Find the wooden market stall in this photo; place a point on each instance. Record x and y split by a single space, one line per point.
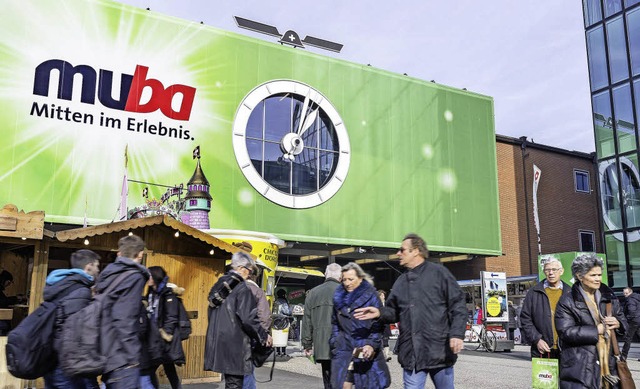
23 253
193 260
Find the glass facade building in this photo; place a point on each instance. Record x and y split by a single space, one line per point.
612 29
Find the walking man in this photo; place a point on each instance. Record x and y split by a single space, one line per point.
430 307
71 290
537 317
123 314
316 323
233 324
632 311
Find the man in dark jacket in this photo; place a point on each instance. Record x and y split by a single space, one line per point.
632 312
537 314
122 316
233 322
316 324
70 289
430 307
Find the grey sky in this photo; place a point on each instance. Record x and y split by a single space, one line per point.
529 56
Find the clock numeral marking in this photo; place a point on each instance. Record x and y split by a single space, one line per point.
320 197
268 90
339 178
245 166
238 134
248 107
265 191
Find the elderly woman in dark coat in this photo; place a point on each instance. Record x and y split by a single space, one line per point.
356 345
584 326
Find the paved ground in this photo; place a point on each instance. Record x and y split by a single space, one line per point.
474 369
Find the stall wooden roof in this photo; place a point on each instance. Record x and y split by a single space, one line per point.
162 234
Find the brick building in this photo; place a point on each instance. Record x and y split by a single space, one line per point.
567 207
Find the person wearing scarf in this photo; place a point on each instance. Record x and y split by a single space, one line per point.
586 360
356 345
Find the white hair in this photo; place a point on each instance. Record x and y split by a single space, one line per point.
548 259
333 271
242 259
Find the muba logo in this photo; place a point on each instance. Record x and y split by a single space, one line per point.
545 376
131 87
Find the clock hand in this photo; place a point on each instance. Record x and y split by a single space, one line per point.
303 113
308 121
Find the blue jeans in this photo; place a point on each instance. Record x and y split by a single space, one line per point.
122 378
56 379
442 378
249 381
146 382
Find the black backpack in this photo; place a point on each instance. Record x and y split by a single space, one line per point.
184 323
82 347
29 350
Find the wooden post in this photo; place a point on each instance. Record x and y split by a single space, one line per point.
38 274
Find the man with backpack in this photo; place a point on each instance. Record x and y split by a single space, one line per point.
70 289
120 322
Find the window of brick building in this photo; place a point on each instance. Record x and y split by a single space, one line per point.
581 179
587 241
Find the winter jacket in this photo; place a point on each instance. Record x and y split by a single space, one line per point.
430 307
57 285
632 309
535 316
264 313
121 318
316 323
578 336
232 325
513 319
165 312
349 333
151 343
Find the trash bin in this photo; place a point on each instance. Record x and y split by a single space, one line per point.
280 331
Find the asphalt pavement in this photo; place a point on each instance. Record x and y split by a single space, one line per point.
474 369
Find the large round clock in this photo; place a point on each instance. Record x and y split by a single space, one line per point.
291 144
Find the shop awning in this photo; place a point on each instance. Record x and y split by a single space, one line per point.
297 272
510 280
177 237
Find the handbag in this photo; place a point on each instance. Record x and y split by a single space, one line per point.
544 373
626 381
260 353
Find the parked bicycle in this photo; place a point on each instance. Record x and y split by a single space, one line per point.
481 337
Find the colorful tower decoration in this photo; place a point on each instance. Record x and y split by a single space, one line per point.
197 202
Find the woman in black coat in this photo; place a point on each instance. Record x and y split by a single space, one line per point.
357 357
164 312
583 327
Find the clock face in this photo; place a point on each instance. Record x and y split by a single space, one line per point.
291 144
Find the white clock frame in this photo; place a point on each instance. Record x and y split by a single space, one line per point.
256 96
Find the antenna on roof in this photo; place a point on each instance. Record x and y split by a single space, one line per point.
290 37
